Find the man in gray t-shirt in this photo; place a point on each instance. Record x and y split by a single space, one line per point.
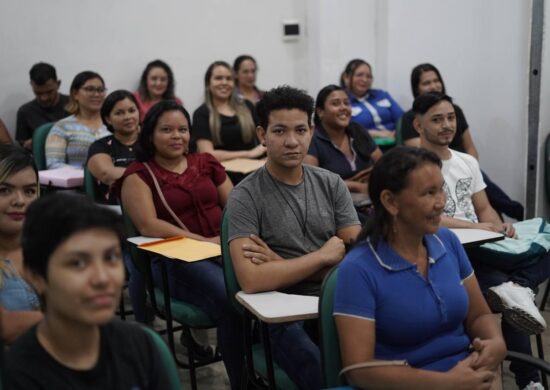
289 223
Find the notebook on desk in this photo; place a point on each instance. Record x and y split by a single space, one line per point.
66 177
183 248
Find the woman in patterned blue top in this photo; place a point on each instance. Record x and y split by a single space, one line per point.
374 109
408 307
18 188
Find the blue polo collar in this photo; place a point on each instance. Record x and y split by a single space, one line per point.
392 261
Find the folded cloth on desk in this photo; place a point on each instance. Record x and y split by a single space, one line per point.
66 177
533 240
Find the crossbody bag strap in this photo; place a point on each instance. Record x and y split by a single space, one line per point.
163 200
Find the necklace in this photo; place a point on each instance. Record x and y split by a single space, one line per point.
302 219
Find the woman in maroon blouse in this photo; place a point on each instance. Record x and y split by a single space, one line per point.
196 188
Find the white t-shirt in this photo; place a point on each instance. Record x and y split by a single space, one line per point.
462 180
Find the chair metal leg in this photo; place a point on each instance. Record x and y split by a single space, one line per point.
121 308
167 308
540 351
191 357
268 356
545 296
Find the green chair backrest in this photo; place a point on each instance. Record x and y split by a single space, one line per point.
398 134
171 371
330 348
39 145
231 284
90 186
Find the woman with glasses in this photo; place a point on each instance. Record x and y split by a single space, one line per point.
69 139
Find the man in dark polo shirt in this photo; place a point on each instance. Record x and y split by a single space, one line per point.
48 106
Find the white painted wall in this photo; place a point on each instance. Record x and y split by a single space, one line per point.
481 48
118 37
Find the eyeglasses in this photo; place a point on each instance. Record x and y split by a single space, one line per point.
90 90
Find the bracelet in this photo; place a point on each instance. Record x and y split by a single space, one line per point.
375 363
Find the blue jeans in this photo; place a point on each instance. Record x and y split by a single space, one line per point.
296 354
202 284
136 289
530 276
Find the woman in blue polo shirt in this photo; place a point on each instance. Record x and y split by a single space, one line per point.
338 144
374 109
408 307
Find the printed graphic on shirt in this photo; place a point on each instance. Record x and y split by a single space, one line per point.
462 199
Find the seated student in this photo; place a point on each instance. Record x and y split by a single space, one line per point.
224 124
109 156
426 78
467 207
245 78
195 187
339 145
70 138
72 253
374 109
156 84
48 106
289 223
407 291
19 305
5 138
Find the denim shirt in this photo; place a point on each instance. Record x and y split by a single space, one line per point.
16 293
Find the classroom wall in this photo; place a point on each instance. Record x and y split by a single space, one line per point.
118 38
481 48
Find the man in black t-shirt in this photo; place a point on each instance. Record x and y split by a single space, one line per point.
48 106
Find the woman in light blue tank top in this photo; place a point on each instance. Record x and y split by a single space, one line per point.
19 304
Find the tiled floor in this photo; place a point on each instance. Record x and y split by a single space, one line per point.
213 377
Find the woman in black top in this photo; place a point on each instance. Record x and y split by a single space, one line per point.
108 157
224 125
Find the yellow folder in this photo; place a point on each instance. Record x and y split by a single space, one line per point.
242 165
183 248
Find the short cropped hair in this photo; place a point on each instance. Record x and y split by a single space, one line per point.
41 72
53 219
424 102
283 98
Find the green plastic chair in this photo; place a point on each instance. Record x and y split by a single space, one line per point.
187 315
90 186
398 134
331 360
39 145
171 370
255 354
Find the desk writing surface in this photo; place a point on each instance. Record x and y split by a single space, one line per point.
275 307
476 237
183 248
242 165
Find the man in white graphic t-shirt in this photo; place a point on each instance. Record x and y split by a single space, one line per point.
467 206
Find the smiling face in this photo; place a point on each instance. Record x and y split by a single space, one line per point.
16 193
417 208
361 80
90 96
429 82
220 84
171 135
438 125
336 112
124 117
157 83
286 138
85 276
246 75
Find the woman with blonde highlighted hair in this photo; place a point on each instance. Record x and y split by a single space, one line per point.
19 305
224 125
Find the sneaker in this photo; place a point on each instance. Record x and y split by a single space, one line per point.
202 353
534 386
516 303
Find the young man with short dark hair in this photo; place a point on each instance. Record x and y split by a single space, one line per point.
48 106
289 223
